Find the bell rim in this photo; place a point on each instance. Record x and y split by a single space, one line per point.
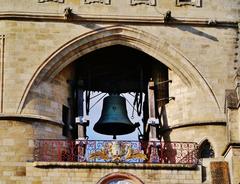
108 130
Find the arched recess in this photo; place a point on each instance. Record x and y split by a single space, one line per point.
156 47
206 149
119 176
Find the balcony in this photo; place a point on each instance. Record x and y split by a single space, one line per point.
106 151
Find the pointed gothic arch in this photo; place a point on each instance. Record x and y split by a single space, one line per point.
206 149
156 47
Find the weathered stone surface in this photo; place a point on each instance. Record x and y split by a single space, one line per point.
220 173
38 47
231 99
72 174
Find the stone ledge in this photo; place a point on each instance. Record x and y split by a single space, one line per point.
112 165
193 124
29 117
36 16
230 146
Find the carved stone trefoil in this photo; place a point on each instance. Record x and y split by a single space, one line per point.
147 2
107 2
57 1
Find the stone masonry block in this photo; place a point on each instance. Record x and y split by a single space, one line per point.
8 142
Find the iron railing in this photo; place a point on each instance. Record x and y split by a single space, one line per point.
116 151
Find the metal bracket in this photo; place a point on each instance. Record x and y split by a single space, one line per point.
82 120
167 81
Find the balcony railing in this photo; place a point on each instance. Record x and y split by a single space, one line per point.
116 151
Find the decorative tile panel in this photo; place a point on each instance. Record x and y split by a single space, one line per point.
97 1
147 2
57 1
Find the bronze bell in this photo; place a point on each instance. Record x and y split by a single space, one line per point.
114 119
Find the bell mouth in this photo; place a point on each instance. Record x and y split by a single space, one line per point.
114 128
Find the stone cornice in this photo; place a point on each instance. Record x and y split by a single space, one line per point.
29 117
112 165
193 124
25 16
229 146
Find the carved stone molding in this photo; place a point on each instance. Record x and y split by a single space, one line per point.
197 3
2 44
57 1
147 2
97 1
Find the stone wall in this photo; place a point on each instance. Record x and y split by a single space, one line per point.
44 38
232 156
48 98
211 9
233 125
38 44
15 149
199 134
236 164
93 175
17 143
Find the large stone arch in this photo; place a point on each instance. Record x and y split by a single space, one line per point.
156 47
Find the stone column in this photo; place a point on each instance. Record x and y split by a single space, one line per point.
232 110
153 123
81 121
